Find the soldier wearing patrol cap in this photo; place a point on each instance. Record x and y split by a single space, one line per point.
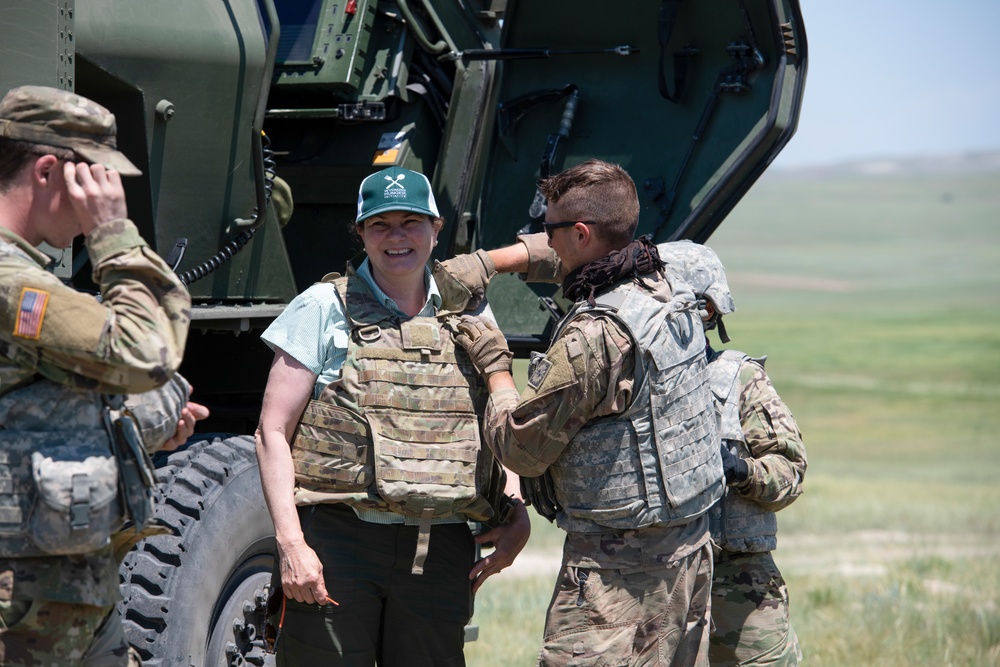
616 427
764 461
66 362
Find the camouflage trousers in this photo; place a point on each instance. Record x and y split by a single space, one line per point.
58 634
750 613
648 618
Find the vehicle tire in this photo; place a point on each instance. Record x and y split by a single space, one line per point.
195 598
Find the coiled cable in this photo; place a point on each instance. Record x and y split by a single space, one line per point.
243 238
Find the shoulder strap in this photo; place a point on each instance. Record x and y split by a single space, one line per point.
330 277
360 305
613 299
723 372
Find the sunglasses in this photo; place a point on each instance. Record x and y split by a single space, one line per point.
549 226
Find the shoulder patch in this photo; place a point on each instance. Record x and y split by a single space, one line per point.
538 371
31 312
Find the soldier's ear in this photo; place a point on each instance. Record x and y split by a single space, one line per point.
584 235
45 168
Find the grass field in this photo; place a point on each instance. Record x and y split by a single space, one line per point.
878 302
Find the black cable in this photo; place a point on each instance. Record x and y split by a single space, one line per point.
243 238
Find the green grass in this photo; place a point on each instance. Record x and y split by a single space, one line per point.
878 303
510 614
922 611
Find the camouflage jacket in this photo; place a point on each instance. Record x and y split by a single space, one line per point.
132 341
765 435
587 374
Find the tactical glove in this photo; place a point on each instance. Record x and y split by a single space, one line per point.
462 280
735 468
540 493
485 344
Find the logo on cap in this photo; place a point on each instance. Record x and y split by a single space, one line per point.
385 191
395 189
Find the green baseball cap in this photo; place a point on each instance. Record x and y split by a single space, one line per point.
53 117
396 189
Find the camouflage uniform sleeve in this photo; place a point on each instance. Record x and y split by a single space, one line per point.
132 341
159 410
587 373
544 265
778 463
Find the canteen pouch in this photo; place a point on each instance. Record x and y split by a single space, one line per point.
77 505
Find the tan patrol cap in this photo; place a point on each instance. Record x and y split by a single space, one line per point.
54 117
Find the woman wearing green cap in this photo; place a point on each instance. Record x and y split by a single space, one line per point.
370 451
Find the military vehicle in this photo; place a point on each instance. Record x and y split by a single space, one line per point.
222 103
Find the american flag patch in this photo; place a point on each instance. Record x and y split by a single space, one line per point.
31 313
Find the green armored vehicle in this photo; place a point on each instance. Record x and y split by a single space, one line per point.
235 108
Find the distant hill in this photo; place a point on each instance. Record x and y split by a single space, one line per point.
955 163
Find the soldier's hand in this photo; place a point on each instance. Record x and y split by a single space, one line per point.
462 280
485 344
95 193
508 540
190 414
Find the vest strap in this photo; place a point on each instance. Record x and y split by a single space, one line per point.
79 510
423 540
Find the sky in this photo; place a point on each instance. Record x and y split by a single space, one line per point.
897 78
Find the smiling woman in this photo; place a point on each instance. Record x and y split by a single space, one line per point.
371 457
398 222
398 244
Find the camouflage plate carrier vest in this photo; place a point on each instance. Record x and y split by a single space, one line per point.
65 483
737 524
657 463
399 430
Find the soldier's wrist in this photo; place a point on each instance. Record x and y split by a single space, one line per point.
111 238
500 365
489 267
741 471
